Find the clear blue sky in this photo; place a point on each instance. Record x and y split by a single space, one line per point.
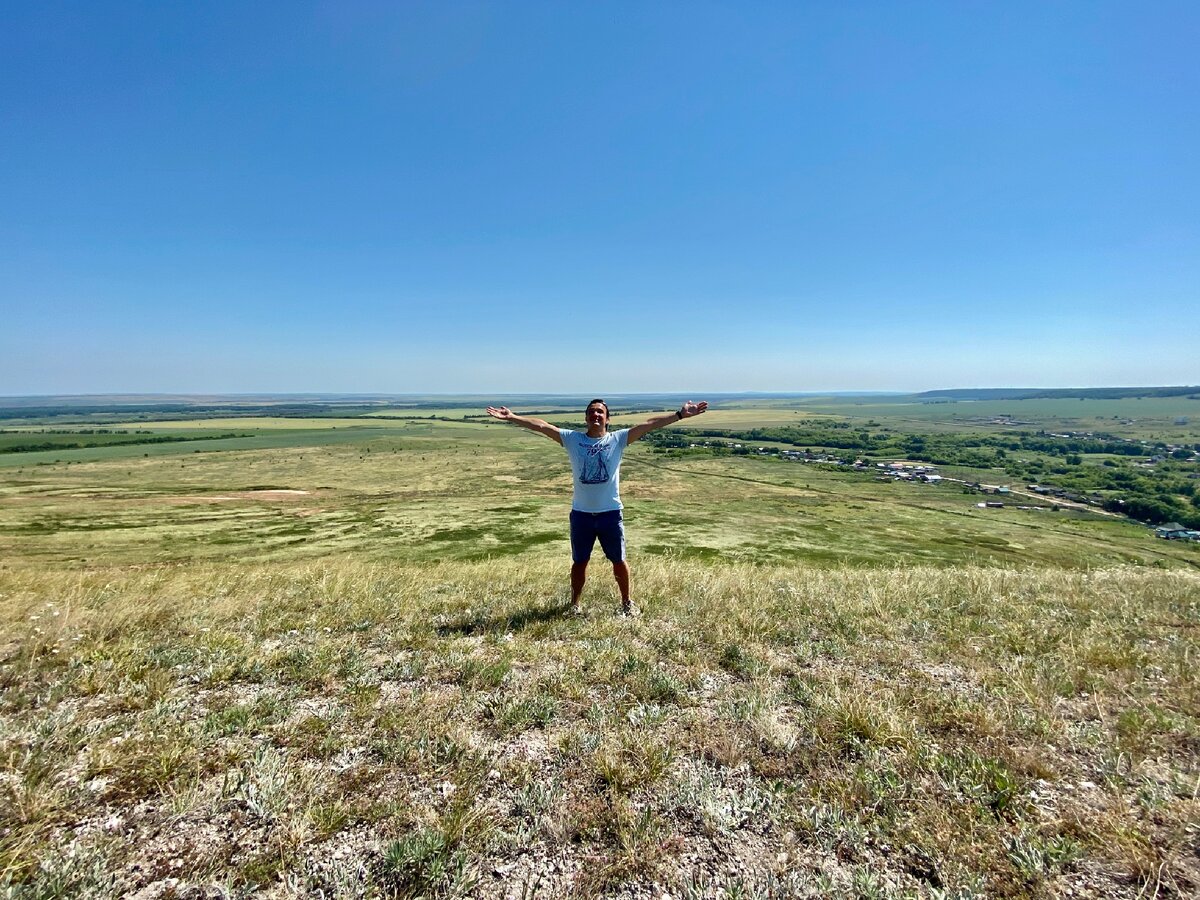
521 196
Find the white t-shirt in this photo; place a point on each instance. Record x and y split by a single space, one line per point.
596 465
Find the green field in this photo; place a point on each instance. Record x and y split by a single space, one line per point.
334 657
425 489
1150 417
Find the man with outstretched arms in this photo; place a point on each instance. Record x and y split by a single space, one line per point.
596 464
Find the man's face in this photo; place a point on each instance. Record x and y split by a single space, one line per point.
596 415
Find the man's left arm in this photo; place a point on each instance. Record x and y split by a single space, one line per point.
686 411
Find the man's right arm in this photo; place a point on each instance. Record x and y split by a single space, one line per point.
541 426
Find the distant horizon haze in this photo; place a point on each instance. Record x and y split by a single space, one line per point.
1182 390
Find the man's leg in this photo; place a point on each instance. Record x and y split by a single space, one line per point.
612 539
578 577
621 573
583 538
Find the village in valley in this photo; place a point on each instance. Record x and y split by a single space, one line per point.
1055 498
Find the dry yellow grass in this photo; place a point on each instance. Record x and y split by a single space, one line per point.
361 729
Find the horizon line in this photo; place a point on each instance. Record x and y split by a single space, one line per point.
574 394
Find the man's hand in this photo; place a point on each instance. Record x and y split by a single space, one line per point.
690 409
500 412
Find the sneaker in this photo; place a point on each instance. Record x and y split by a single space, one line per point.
630 610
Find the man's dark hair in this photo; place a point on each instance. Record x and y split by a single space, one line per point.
607 414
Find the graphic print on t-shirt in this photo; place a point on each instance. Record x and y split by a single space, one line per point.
595 465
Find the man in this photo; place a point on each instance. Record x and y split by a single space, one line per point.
596 464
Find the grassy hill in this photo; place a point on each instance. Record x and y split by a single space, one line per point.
333 658
360 728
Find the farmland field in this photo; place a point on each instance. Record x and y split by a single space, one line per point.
422 489
332 655
1148 417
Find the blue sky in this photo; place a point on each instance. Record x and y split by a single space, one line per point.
575 197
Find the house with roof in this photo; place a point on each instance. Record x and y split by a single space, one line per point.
1173 531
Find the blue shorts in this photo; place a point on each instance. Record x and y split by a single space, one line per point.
586 527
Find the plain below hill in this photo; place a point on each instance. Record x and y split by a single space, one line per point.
1100 393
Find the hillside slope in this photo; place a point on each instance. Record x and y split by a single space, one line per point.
360 729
